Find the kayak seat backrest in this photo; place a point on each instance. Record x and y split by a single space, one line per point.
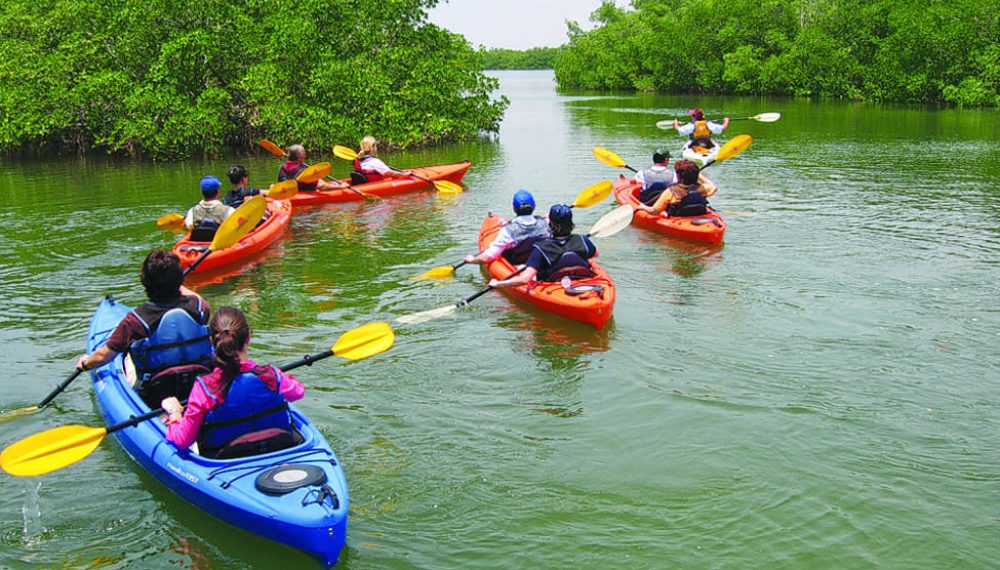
260 442
195 248
690 210
358 177
206 233
522 251
175 381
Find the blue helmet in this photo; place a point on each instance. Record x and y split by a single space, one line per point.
561 214
210 184
524 202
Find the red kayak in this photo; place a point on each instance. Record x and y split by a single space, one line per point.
280 212
709 228
589 300
450 172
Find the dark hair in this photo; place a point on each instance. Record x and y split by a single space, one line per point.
687 171
660 156
162 276
237 172
230 332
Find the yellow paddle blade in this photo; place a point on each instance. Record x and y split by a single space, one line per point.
314 173
15 413
171 222
364 341
272 148
50 450
736 145
608 157
443 272
447 187
593 194
283 190
239 223
344 152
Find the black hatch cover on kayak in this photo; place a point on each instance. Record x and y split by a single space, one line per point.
581 289
287 478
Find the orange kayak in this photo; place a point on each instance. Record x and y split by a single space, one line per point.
450 172
709 228
280 212
593 307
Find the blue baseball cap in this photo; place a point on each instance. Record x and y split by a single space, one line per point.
560 214
210 184
524 202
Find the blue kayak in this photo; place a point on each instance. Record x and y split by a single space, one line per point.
295 496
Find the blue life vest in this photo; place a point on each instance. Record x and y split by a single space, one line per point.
692 204
249 406
526 235
564 254
177 340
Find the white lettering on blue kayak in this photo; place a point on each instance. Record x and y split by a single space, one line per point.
182 473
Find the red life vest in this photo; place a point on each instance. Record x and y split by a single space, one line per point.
369 174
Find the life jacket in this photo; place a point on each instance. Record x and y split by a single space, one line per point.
177 335
654 183
249 406
701 138
236 196
290 170
368 174
206 218
565 257
692 203
525 235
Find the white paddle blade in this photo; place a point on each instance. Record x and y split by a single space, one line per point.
612 222
665 124
427 315
767 117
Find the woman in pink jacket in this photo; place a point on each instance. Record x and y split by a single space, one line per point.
239 408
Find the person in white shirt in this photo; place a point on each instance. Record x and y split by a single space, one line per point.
656 178
208 214
515 239
369 168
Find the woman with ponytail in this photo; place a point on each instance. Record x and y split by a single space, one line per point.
239 408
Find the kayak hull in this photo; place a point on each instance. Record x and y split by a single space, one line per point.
451 172
593 307
709 228
261 237
225 488
700 158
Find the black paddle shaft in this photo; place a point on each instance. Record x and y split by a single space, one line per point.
482 292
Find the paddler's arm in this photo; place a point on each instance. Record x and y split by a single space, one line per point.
710 187
521 278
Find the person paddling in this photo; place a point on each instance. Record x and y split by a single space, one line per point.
205 217
565 254
239 408
656 178
166 338
370 168
516 238
239 176
699 131
687 198
295 164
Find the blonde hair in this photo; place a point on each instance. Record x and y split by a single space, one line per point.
296 152
368 145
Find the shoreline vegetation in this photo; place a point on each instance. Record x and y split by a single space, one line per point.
910 51
168 79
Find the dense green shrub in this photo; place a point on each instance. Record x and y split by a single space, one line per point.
534 58
901 50
169 78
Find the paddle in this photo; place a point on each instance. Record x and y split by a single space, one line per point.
232 230
763 118
591 195
278 151
611 223
736 145
611 159
443 186
62 446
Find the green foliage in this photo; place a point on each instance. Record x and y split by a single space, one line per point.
901 50
171 78
534 58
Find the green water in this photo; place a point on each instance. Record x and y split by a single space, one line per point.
822 391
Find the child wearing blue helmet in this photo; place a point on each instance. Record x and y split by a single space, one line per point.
565 254
516 238
207 215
